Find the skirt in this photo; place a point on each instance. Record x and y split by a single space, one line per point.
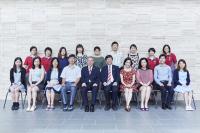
21 87
40 86
182 89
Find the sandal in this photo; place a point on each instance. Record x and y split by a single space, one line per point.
142 109
48 107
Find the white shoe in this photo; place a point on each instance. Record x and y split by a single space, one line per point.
28 109
33 108
190 108
187 108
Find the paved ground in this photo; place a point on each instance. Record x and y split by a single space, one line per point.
154 121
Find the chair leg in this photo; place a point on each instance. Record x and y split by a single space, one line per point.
4 105
25 99
176 98
22 100
194 102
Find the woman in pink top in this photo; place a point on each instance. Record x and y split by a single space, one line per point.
144 77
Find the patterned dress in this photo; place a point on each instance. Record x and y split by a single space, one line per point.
128 79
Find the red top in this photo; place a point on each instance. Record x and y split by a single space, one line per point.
153 63
171 59
28 62
46 62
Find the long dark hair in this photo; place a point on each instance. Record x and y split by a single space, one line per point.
60 50
140 63
54 58
34 61
80 46
178 66
14 66
166 45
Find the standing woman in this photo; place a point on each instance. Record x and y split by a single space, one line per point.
99 60
18 81
145 78
36 81
63 58
53 83
46 60
80 56
170 57
182 83
128 86
133 54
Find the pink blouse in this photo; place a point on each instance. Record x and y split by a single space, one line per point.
144 76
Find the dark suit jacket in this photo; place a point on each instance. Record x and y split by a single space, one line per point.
94 77
115 73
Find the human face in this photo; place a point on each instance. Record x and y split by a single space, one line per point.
144 64
71 60
151 53
109 61
115 47
97 52
48 53
181 65
55 63
133 50
166 49
18 63
63 52
80 50
128 64
34 52
162 60
37 63
90 61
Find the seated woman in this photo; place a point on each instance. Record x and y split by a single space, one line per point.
36 83
128 86
182 83
53 82
145 78
18 81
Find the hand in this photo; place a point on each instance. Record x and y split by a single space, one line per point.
94 84
105 84
83 84
33 85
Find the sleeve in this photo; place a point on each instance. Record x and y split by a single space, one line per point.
78 72
63 74
174 58
26 61
11 76
156 76
138 77
188 78
170 74
82 76
151 76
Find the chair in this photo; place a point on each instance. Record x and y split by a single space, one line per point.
176 99
21 95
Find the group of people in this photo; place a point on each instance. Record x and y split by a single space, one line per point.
115 74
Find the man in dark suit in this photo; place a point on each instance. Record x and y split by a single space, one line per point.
90 77
110 78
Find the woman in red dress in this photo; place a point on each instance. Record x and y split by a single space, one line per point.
128 86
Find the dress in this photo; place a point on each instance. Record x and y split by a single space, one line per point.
128 78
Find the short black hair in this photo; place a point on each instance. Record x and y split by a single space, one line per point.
162 55
33 47
140 63
152 49
35 58
71 56
114 43
108 56
80 46
133 45
128 58
97 48
47 49
166 45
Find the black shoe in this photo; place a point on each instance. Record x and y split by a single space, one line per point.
107 107
87 108
65 108
163 106
16 106
114 107
92 108
13 106
168 107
